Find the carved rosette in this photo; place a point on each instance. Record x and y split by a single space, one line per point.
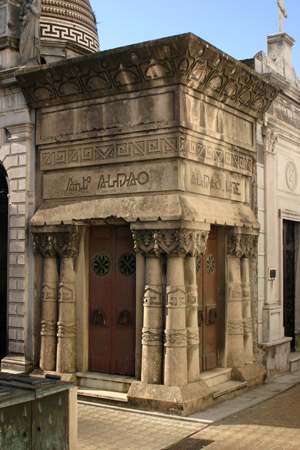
175 338
173 241
50 245
242 245
153 296
152 336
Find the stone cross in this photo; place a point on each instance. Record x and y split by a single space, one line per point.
282 12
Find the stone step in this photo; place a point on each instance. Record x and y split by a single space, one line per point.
228 387
92 395
104 382
294 361
216 376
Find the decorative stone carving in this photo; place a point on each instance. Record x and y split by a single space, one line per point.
175 338
152 336
235 327
192 336
239 245
175 297
63 244
291 175
190 61
153 296
171 241
30 35
270 139
248 325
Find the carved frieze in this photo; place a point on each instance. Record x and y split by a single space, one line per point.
192 336
48 328
50 245
152 336
66 330
172 241
235 327
175 338
248 326
175 297
242 245
145 148
189 60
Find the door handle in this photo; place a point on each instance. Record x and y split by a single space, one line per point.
99 317
213 316
125 319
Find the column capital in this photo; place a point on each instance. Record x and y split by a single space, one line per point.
51 244
270 139
170 241
240 244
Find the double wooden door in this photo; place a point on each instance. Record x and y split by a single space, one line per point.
112 301
207 282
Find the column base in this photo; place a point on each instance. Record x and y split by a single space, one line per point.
253 373
181 401
16 364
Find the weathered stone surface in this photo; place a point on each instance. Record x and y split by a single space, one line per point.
170 399
254 374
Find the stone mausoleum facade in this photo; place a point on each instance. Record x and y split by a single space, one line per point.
143 211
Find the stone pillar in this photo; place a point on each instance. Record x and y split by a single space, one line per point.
192 319
152 337
235 324
44 243
247 319
175 364
67 244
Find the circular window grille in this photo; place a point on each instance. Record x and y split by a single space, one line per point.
210 264
101 264
127 264
198 265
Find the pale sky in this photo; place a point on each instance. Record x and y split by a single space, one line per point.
237 27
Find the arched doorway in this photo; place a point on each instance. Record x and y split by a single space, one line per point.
3 261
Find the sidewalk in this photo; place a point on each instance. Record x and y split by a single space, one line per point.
266 417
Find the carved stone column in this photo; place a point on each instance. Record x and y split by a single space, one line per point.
152 332
249 244
67 245
235 324
200 240
44 243
175 364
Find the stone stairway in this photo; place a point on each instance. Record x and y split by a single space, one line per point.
294 361
221 383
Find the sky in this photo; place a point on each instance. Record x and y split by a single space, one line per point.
237 27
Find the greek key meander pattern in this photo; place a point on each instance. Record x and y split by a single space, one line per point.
65 32
146 148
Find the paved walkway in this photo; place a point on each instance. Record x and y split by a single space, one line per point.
273 423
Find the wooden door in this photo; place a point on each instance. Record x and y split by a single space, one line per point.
289 280
3 262
207 281
112 301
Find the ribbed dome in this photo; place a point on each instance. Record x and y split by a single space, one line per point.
72 21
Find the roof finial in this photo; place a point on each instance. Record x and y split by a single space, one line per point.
282 12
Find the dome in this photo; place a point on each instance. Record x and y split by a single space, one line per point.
71 23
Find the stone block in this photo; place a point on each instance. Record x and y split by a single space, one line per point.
183 400
254 374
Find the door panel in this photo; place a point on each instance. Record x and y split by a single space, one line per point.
112 294
207 282
289 280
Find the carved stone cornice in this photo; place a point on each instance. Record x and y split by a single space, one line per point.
270 139
173 241
50 245
184 59
242 245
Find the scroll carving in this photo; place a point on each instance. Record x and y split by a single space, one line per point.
182 242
